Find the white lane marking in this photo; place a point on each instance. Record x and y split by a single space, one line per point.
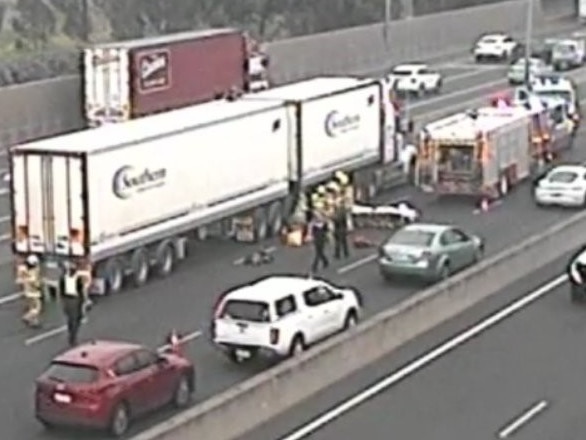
4 191
425 360
9 298
5 237
356 264
5 219
49 334
62 329
523 419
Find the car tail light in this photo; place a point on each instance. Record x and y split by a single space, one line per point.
274 336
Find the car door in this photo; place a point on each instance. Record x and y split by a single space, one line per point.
427 77
125 369
451 245
509 45
156 379
317 315
336 313
468 247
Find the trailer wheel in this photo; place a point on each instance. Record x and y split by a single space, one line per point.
114 275
165 259
275 215
261 228
140 267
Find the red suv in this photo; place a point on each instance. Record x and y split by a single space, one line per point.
103 384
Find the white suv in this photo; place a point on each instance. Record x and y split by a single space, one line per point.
280 316
495 46
415 78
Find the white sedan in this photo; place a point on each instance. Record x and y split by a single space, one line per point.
495 46
565 185
416 78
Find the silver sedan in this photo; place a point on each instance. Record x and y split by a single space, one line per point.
537 68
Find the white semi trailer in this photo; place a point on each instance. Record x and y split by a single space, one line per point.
122 200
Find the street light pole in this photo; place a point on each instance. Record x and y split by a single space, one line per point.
85 21
386 25
528 38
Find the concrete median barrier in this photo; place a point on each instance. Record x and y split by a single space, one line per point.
255 401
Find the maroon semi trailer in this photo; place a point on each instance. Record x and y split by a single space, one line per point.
129 79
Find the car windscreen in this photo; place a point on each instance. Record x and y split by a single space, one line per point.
412 237
253 311
488 40
566 96
70 373
402 72
562 177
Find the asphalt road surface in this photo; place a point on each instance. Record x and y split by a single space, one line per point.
512 367
185 300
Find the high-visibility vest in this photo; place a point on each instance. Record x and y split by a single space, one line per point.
70 285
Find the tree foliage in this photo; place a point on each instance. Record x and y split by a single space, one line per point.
34 24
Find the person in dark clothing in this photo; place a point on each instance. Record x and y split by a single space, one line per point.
341 233
319 231
72 288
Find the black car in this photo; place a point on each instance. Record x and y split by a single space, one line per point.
577 276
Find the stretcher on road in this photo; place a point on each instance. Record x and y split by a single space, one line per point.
383 216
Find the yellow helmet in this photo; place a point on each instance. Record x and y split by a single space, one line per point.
342 177
333 186
321 190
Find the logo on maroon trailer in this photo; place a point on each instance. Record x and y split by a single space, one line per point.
154 70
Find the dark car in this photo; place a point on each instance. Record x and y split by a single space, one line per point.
103 384
577 276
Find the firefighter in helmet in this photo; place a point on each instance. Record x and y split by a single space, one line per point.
318 201
30 278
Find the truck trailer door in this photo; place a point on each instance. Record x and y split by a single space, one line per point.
106 85
48 204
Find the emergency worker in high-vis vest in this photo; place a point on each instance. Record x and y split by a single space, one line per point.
30 279
74 296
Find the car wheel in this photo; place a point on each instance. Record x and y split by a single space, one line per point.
120 420
297 346
47 425
444 272
438 86
478 58
478 254
584 201
183 393
351 320
421 91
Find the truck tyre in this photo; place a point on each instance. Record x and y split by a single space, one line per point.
114 275
261 228
503 186
140 267
165 259
275 218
